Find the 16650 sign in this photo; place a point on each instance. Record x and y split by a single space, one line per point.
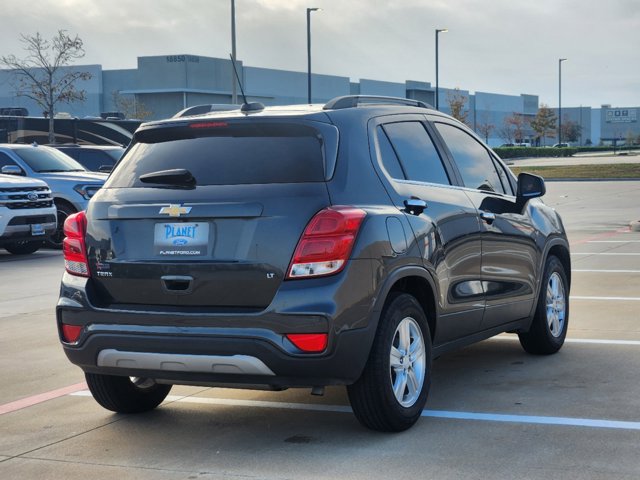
183 58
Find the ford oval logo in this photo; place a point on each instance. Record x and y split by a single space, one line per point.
32 197
178 242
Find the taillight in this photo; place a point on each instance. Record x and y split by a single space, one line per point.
74 248
326 243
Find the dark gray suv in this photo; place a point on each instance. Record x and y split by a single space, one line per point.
306 246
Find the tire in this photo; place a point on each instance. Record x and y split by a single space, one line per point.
551 319
374 401
63 211
23 248
126 394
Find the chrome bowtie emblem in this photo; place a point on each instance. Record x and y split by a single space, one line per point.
175 210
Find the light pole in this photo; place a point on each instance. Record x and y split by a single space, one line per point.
438 31
309 10
560 60
234 92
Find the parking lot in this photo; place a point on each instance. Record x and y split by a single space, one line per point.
494 412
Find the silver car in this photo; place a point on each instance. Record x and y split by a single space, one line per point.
71 184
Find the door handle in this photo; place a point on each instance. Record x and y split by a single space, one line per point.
414 206
488 217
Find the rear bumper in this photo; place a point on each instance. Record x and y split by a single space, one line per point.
222 348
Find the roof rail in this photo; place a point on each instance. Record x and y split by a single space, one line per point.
350 101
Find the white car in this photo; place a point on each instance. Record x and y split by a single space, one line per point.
27 214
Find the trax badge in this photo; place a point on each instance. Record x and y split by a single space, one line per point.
175 210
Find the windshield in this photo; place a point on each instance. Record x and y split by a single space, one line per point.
43 159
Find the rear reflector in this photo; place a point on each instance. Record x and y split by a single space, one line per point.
326 243
71 333
309 342
74 248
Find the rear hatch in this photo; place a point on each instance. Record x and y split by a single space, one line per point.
221 240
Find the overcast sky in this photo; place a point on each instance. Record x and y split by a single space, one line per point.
500 46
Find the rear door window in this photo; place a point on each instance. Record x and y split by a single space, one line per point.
217 153
418 155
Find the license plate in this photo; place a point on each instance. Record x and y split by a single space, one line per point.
183 239
37 229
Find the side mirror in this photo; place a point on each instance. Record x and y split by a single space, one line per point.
530 186
12 170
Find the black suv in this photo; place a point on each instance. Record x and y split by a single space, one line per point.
96 158
306 246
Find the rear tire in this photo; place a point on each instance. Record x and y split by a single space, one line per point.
551 320
393 389
23 248
126 394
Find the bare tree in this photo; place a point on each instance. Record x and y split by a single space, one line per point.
40 77
571 130
518 124
507 131
485 127
457 101
630 139
130 107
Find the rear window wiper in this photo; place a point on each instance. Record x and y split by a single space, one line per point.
180 177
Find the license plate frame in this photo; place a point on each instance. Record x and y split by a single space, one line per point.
37 230
181 239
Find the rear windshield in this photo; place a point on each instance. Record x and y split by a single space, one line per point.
217 153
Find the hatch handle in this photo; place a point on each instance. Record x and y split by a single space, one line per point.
177 284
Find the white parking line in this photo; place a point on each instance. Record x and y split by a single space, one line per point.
487 417
612 254
608 299
597 341
613 241
603 271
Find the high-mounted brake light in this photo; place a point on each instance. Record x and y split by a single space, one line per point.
74 247
208 125
326 243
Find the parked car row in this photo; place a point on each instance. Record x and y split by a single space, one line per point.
55 185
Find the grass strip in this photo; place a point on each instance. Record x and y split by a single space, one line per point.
624 170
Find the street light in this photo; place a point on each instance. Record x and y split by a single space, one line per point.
438 31
309 10
234 92
560 60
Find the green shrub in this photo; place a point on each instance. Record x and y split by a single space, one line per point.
516 152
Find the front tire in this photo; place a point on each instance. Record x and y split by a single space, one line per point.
23 248
63 211
551 319
126 394
393 389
